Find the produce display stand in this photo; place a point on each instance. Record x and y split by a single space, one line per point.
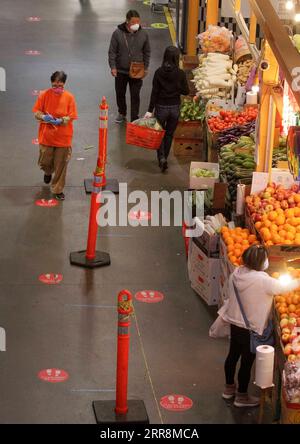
280 54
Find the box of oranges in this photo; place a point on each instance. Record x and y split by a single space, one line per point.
235 242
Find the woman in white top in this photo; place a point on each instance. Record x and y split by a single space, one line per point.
256 290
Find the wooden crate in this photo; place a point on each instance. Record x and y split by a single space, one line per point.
189 130
191 148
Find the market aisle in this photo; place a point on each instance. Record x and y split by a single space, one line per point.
72 325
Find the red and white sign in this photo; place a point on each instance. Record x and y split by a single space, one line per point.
33 19
33 52
139 215
149 296
53 375
35 141
46 203
176 403
51 278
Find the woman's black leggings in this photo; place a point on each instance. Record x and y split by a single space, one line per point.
239 348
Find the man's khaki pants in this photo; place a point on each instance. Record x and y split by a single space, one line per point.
55 160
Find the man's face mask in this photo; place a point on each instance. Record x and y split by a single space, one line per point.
134 27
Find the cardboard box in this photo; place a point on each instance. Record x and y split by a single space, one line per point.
290 413
203 183
192 129
209 244
204 274
190 62
191 148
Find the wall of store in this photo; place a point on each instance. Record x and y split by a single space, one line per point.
226 19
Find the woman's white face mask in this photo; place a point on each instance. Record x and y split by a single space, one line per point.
266 265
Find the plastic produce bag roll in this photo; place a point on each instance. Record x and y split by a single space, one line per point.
264 367
240 200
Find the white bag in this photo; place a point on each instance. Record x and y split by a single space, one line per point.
219 329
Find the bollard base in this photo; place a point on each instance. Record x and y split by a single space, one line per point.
78 258
105 413
111 185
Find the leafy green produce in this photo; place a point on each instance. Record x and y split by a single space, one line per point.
191 110
149 123
200 172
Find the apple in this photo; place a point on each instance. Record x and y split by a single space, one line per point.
258 217
292 205
269 208
288 349
292 358
280 197
285 338
286 331
291 200
270 190
295 188
292 323
284 205
298 322
284 323
266 195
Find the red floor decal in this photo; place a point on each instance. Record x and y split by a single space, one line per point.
149 296
53 375
177 403
46 203
139 215
33 52
33 19
35 141
51 278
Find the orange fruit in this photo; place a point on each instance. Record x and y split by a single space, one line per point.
282 233
295 299
238 253
282 309
233 259
266 235
273 227
238 246
276 239
269 243
290 236
297 199
289 213
245 242
258 225
295 221
288 242
239 239
267 223
230 248
272 216
292 308
229 241
252 238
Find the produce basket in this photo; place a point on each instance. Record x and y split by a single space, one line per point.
144 137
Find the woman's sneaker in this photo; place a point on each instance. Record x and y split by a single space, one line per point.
60 196
245 400
229 391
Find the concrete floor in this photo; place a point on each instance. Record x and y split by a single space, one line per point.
72 326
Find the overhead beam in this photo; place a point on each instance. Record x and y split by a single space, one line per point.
286 54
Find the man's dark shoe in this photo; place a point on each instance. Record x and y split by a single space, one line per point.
47 179
60 196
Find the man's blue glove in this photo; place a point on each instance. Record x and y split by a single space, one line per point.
56 121
47 117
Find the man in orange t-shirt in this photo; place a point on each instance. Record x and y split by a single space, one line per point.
55 108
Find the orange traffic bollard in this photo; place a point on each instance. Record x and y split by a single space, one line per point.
124 311
111 185
122 410
90 258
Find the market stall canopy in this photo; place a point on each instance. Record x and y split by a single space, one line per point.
285 52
